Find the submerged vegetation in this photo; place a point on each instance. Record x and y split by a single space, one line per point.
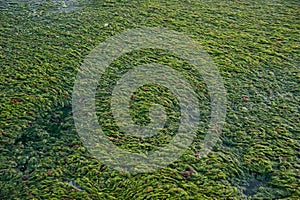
255 45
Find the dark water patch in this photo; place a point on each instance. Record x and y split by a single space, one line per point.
253 184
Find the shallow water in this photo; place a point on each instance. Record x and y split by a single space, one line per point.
53 6
43 43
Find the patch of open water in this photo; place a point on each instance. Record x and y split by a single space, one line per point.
49 6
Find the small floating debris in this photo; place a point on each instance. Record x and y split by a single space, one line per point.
63 4
74 185
188 172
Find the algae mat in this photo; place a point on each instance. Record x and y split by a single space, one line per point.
255 45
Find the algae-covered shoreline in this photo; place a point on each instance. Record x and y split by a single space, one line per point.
255 45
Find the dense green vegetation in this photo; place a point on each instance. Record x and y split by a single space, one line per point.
255 45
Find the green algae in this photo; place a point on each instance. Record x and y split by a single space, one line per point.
254 44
